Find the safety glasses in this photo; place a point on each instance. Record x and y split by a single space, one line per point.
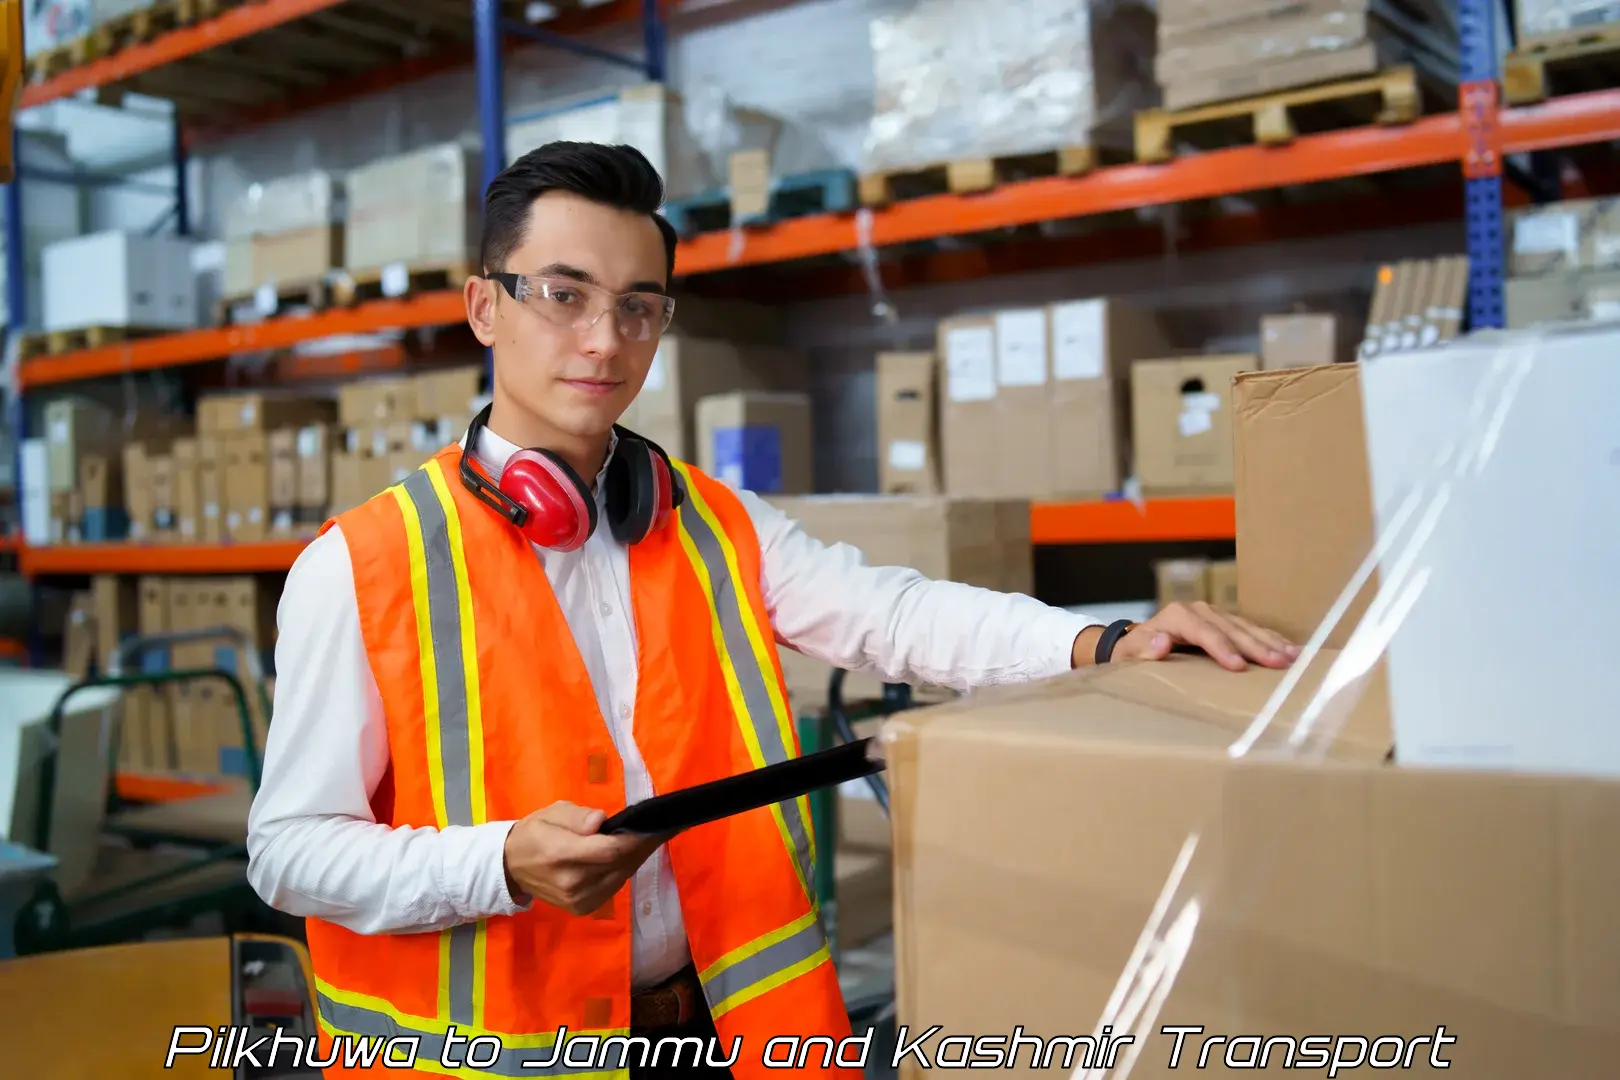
638 316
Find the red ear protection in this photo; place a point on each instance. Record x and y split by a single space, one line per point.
541 496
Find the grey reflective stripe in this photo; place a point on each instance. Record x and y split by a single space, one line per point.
761 715
430 1045
450 679
774 958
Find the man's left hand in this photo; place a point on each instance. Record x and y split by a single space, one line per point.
1232 641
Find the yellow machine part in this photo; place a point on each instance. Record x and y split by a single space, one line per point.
11 80
111 1011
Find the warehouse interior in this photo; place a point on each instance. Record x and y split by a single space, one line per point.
1297 309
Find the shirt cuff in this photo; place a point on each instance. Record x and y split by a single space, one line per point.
1065 627
489 895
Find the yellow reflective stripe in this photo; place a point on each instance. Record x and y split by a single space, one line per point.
416 551
760 751
764 964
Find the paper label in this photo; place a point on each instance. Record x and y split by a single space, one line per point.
264 299
1077 341
249 412
657 374
255 516
233 520
1021 348
379 443
351 441
188 528
59 430
907 454
1196 413
1547 234
970 364
309 442
396 280
211 510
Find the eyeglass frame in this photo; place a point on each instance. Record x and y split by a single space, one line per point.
509 280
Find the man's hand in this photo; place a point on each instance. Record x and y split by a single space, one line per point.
557 856
1233 642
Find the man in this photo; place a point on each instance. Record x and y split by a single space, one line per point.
458 705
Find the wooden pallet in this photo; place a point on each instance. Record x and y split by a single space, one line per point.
1389 97
1564 63
357 286
57 342
313 293
122 31
825 191
964 176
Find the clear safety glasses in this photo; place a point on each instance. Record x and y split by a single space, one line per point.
639 316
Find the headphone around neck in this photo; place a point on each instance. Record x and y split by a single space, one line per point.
541 496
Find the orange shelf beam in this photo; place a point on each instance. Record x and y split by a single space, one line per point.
269 557
231 25
145 787
216 343
1123 522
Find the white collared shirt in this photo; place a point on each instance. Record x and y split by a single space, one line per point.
315 849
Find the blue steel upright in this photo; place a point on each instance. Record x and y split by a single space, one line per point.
1478 96
491 109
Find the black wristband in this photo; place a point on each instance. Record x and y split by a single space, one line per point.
1110 637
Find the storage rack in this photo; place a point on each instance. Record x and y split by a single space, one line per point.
1478 137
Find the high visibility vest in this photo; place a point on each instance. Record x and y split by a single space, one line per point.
491 716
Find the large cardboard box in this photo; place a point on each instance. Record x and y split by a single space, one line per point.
187 491
380 400
1254 897
1182 422
1293 341
982 542
420 209
143 282
1303 496
686 369
246 484
969 418
230 414
1563 297
908 423
759 441
1576 234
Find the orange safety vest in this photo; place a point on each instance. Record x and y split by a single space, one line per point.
491 716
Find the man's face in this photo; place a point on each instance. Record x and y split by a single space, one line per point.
576 378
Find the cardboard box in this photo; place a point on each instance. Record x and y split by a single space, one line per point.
187 491
210 487
1295 341
908 423
1221 585
140 499
75 426
686 369
970 422
758 441
447 396
246 487
165 504
140 281
282 448
1416 303
366 402
1303 497
230 414
1575 296
349 484
1182 422
1182 581
1343 897
1576 234
153 737
313 462
982 542
419 209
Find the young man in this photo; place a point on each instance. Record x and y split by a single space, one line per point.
479 663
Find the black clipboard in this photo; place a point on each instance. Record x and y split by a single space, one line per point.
665 815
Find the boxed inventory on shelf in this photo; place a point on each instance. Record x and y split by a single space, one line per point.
1195 580
1035 399
1181 426
957 80
975 541
419 210
688 142
1416 303
1301 340
119 279
908 423
390 425
283 231
1557 18
757 440
1564 262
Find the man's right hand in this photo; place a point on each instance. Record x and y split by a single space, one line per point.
557 856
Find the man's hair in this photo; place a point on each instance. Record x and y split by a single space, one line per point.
616 176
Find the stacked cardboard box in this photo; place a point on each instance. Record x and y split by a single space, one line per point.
1218 50
1558 19
1190 581
390 425
139 282
286 231
1302 340
1416 303
1564 263
419 210
757 440
84 473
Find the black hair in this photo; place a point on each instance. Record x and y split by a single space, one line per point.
616 176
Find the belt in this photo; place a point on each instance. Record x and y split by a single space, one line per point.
672 1003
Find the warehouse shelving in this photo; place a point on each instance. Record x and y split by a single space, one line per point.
130 558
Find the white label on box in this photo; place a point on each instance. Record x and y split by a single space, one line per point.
255 515
907 454
970 364
395 279
351 441
1021 348
188 528
282 522
1196 411
379 443
59 430
309 442
1606 249
1605 310
657 375
211 510
264 299
233 521
1077 340
249 412
1544 234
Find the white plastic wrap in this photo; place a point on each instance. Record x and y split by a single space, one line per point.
418 209
961 78
1496 483
1539 18
304 200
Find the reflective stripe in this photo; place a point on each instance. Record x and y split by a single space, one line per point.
583 1054
764 964
755 696
448 649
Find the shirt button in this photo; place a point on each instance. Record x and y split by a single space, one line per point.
624 711
607 609
646 908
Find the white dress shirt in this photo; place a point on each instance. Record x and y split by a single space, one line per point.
315 848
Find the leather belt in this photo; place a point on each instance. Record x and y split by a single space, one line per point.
673 1003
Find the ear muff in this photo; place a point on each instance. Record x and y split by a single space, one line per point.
642 489
560 513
